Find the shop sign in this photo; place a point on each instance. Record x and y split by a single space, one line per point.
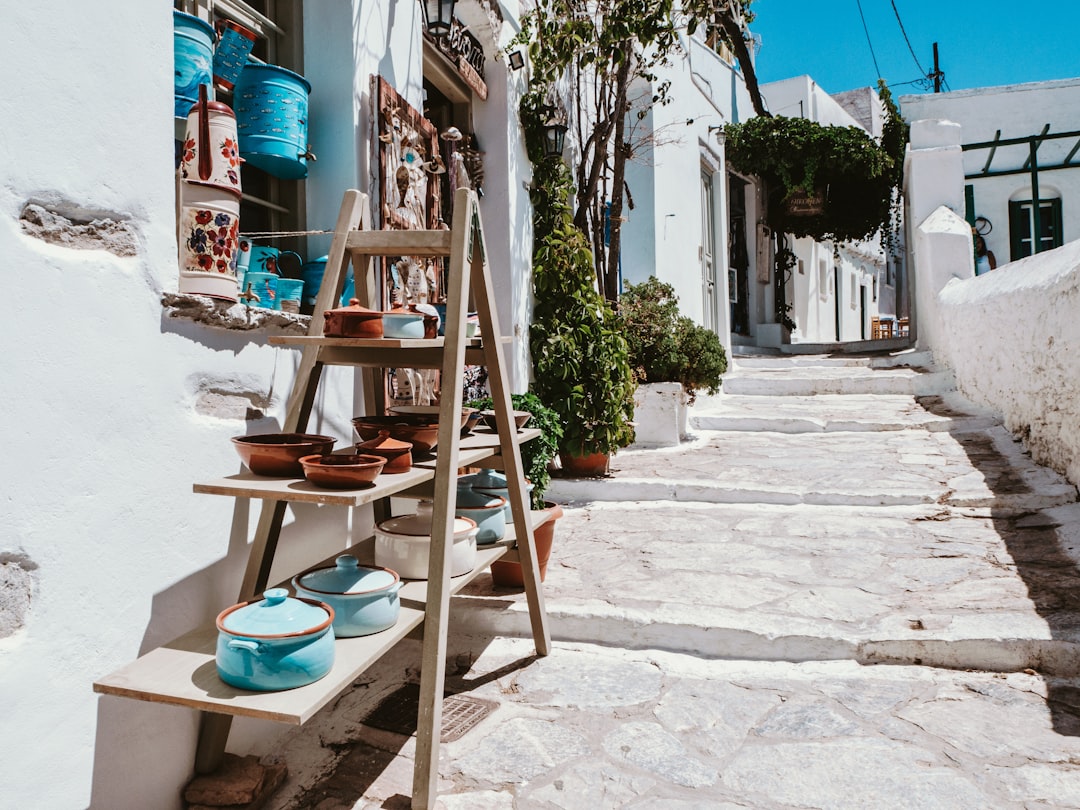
799 203
465 52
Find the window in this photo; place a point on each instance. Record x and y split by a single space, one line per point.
268 203
1022 227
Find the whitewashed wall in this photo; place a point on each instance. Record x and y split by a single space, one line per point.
1013 340
663 233
1017 111
113 409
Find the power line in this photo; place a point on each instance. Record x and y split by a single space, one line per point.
877 70
908 41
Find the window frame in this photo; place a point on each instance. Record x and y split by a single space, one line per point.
1021 215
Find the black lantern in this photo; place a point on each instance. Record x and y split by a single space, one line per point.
439 15
554 132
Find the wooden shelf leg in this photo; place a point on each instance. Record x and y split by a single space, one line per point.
213 734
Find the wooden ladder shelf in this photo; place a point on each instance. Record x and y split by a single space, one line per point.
182 672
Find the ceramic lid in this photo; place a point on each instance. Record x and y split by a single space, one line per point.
347 576
385 443
469 498
356 310
488 479
419 525
277 614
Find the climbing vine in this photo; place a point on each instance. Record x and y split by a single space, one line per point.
854 178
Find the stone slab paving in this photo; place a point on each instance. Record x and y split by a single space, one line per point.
901 467
765 618
591 728
826 413
938 585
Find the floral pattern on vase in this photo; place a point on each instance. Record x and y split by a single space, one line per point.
225 170
211 241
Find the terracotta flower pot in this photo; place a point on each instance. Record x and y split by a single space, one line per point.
592 465
506 574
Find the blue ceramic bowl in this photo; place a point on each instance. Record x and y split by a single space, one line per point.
487 511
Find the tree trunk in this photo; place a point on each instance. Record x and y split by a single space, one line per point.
618 175
726 22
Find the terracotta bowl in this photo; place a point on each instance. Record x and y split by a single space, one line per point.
521 418
421 432
346 471
279 454
431 412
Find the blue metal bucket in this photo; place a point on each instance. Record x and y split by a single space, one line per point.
271 119
193 50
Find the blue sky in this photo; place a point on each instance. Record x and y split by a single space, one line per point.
980 44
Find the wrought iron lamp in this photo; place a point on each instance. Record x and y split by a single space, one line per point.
439 14
554 133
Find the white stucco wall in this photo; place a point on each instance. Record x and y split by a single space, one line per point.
114 410
1017 111
1013 340
675 144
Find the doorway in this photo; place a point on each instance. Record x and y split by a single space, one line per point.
708 245
837 291
738 257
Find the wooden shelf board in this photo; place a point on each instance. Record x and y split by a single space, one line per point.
249 485
372 343
183 672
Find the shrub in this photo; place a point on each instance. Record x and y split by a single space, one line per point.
666 346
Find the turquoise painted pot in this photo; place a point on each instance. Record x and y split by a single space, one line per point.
276 643
364 598
489 512
193 49
493 484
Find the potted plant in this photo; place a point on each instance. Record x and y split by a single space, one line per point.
536 458
672 357
581 365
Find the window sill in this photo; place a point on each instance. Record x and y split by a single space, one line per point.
232 317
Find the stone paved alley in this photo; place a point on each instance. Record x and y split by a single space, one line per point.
849 589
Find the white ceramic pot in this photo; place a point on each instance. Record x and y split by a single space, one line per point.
209 241
211 153
404 544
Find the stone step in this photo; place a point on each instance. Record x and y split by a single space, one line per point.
923 360
928 585
827 413
978 468
795 381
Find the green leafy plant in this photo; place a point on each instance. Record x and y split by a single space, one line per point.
538 453
666 346
857 176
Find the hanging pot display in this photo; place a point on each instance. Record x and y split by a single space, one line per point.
271 117
211 153
233 48
193 48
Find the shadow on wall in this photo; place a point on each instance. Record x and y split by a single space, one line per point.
144 752
1046 559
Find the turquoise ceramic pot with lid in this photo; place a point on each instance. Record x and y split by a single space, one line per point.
493 483
364 598
489 511
276 643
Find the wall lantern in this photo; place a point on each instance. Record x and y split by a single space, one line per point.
439 14
554 133
517 60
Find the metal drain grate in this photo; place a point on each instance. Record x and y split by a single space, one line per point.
460 713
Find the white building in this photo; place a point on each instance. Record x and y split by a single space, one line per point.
114 407
1002 128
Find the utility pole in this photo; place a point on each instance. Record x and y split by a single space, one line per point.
937 75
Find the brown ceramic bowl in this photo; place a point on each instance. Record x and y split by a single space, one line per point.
398 454
421 432
430 412
346 471
279 454
521 418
